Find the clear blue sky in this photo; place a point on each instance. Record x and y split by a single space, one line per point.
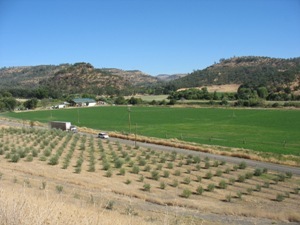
154 36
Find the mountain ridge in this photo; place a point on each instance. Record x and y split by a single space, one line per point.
83 77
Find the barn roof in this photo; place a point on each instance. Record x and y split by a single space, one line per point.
81 100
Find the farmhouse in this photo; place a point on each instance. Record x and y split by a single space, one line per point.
83 102
60 106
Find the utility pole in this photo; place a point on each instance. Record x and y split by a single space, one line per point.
78 115
129 120
135 137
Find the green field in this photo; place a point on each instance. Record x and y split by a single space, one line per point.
261 130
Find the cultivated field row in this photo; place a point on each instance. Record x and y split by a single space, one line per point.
157 177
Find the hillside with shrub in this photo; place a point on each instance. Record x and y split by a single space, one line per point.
280 77
66 79
249 70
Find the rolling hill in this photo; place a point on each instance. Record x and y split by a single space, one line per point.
79 78
250 70
73 78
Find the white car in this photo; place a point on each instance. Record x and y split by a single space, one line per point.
103 135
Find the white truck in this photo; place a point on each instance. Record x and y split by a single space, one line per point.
67 126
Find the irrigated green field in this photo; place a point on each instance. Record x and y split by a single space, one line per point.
262 130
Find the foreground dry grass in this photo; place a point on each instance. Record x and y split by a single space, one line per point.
33 190
26 199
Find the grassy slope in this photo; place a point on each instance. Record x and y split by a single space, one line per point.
262 130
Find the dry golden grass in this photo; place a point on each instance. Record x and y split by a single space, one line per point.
22 205
93 190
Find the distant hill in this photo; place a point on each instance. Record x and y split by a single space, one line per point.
73 78
167 77
82 77
249 70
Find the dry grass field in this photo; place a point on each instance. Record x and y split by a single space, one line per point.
54 177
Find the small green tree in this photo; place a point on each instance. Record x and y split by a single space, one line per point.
147 187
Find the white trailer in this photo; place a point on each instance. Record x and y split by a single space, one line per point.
67 126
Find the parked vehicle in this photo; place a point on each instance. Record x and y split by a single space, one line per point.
103 135
67 126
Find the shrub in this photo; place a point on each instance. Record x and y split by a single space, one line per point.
130 163
239 195
199 178
147 187
106 166
266 184
242 165
15 158
186 193
128 181
175 183
248 175
77 169
109 205
166 173
177 173
241 178
135 169
222 184
162 160
281 177
223 162
208 175
286 194
289 174
206 165
249 191
34 153
142 162
228 198
216 163
296 190
218 173
235 168
199 190
53 160
147 168
119 163
196 159
227 170
231 180
187 180
198 167
162 185
258 188
279 197
122 171
108 173
159 166
211 187
47 152
257 172
141 178
29 158
59 188
155 175
170 165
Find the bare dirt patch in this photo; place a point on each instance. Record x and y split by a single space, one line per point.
218 88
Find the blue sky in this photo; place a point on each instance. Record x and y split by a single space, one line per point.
154 36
